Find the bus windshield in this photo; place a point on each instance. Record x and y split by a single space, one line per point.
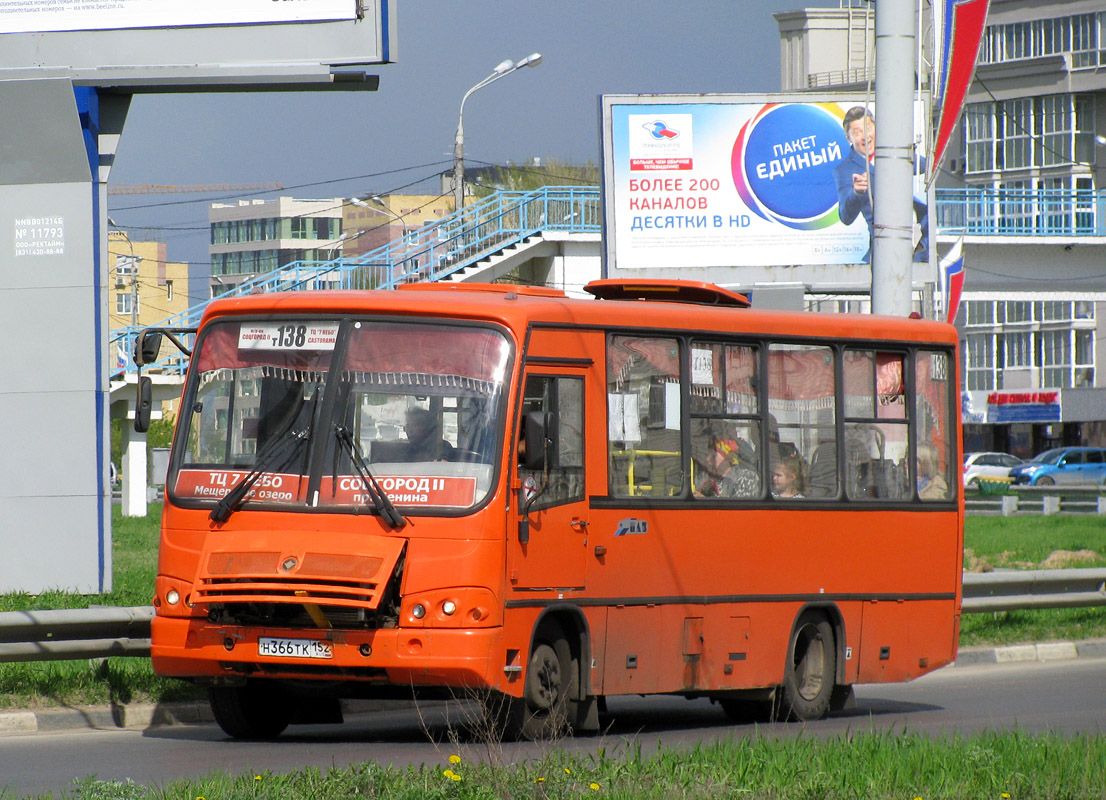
319 413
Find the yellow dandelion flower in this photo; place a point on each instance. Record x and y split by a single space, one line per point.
1005 796
539 780
568 771
455 759
594 787
257 777
448 773
455 777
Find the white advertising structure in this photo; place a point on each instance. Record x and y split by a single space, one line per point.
712 182
28 16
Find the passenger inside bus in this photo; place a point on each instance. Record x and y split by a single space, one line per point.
732 472
931 485
789 476
424 440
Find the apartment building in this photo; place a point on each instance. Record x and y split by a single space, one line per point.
255 236
1024 187
143 286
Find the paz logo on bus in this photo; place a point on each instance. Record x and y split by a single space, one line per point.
631 527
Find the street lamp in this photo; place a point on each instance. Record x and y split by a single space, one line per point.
357 201
504 68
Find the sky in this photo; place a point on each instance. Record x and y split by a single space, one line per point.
342 144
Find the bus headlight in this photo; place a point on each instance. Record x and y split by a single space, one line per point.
172 597
467 607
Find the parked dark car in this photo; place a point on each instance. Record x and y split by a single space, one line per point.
1063 466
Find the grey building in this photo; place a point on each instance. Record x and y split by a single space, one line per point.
255 236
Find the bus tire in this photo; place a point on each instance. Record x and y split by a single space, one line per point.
542 713
811 668
258 710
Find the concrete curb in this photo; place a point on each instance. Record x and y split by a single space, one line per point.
1020 653
145 716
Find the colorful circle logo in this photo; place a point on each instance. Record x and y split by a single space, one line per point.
783 160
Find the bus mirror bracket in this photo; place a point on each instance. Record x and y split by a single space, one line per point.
145 403
147 347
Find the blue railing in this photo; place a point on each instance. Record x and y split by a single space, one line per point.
1021 212
430 253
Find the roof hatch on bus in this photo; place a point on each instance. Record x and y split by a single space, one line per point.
669 291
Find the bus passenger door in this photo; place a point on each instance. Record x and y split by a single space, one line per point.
548 541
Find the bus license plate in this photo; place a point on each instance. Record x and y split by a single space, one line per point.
294 648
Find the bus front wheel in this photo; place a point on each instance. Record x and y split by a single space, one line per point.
542 712
258 710
811 669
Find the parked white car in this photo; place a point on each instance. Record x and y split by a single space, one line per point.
988 465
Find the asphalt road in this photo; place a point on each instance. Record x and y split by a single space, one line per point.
1066 697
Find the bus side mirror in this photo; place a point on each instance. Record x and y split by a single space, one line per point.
539 432
146 347
145 403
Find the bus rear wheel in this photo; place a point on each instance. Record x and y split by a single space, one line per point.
258 710
811 669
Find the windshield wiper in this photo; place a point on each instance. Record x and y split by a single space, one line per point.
380 500
283 447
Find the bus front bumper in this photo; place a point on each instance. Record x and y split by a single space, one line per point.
460 657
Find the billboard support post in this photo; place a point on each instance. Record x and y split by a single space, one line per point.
892 210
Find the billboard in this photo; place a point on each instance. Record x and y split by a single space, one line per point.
29 16
174 45
720 181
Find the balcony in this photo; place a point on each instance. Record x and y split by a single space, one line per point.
1048 214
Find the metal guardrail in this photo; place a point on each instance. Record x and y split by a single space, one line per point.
109 632
1011 500
75 633
1011 590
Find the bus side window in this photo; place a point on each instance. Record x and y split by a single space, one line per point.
802 414
643 417
877 430
933 418
560 400
725 425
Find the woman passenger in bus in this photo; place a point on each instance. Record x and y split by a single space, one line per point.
931 484
789 476
732 474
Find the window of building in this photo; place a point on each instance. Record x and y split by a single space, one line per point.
169 291
1056 360
299 227
981 312
1019 351
123 303
981 361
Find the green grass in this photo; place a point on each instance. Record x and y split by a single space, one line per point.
1005 542
864 766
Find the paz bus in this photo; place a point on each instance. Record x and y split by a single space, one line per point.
555 500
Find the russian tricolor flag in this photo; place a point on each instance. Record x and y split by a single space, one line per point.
952 278
962 25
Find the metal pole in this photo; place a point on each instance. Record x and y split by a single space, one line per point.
892 204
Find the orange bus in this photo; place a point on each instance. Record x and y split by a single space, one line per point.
556 500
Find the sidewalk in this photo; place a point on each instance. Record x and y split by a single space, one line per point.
143 716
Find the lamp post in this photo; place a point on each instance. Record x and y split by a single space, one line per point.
357 201
504 68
